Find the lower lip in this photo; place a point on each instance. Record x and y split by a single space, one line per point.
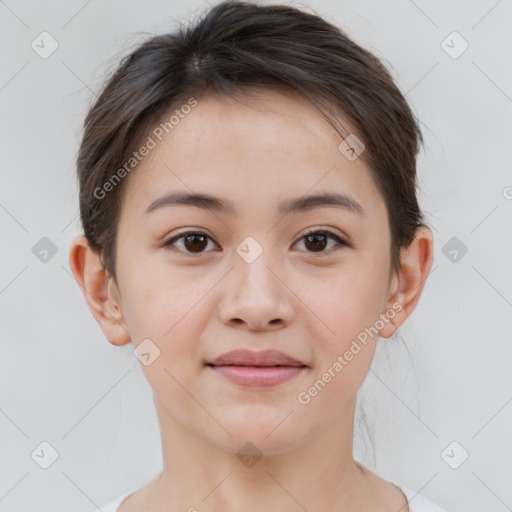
258 376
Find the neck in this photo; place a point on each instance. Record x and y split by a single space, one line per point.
317 474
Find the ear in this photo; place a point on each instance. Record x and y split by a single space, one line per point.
407 284
99 289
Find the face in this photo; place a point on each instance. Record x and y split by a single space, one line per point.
252 276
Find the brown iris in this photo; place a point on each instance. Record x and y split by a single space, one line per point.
319 241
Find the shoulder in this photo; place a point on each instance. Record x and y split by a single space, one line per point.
135 499
113 505
418 503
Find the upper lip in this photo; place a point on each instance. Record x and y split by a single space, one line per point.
244 357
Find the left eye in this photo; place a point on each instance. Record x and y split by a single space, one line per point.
196 241
318 239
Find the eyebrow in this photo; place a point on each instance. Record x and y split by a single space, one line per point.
217 204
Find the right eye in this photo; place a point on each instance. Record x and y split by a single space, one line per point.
194 242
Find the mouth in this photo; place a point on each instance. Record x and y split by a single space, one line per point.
264 358
257 376
257 369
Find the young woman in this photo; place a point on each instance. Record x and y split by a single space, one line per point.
251 226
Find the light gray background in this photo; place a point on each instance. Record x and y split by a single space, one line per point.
448 377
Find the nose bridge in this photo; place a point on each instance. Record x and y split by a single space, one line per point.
255 293
253 264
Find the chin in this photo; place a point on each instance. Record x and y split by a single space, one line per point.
268 435
257 445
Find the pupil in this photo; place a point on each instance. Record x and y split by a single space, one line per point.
315 238
194 245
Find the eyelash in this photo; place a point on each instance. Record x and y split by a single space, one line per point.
330 234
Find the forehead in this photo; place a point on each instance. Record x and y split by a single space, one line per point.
265 144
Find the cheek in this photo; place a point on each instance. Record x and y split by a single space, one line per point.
162 325
349 303
343 357
172 318
353 301
160 299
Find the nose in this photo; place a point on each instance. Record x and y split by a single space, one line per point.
255 296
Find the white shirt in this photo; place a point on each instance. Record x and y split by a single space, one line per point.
417 503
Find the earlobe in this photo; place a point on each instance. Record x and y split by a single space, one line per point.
415 264
99 291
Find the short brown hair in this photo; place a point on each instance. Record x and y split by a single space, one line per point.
237 45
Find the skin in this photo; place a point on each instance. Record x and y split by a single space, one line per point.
254 152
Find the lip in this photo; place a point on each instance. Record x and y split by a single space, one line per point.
257 369
244 357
